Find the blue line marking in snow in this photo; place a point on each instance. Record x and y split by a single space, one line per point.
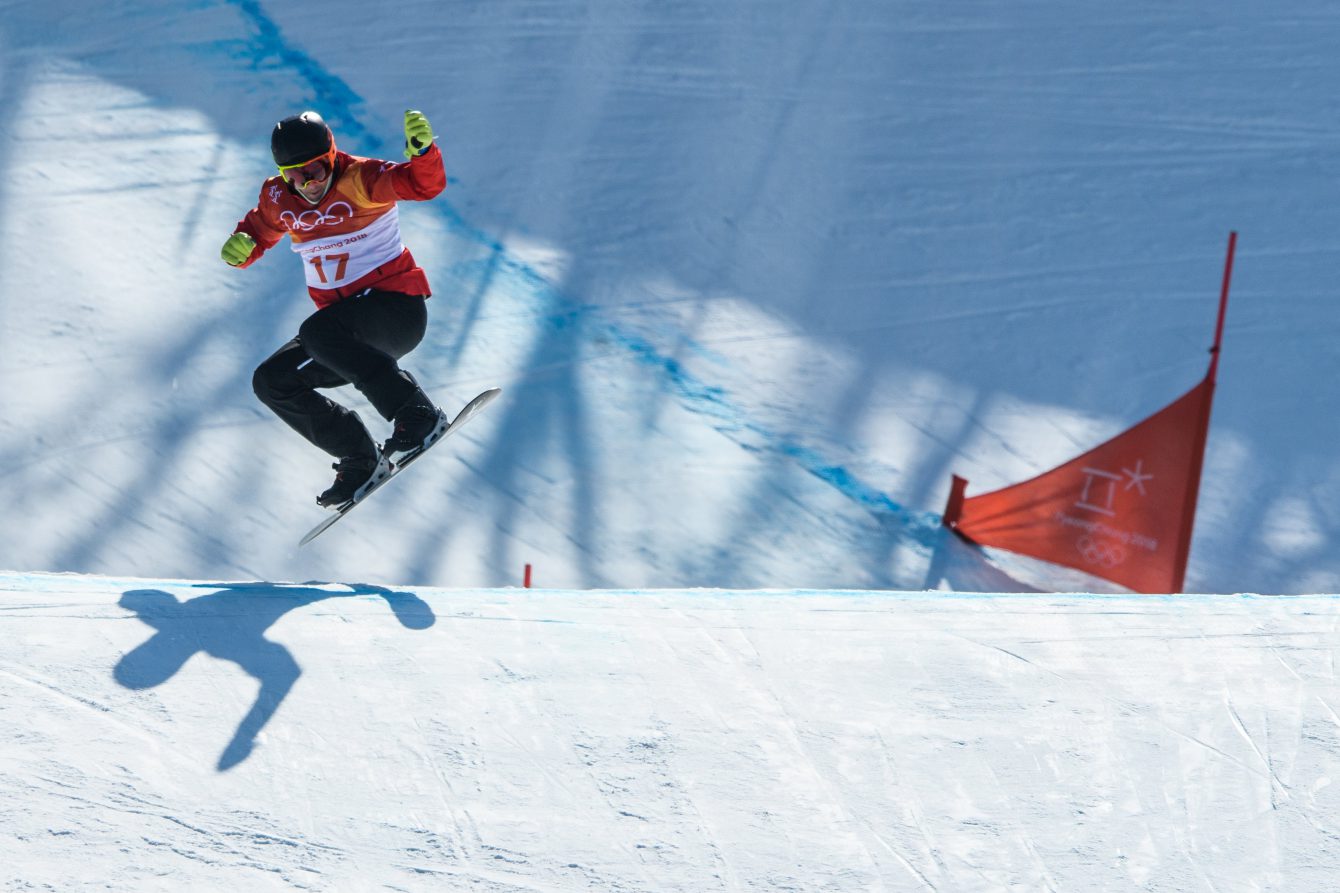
336 98
343 107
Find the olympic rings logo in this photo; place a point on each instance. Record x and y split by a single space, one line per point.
1102 554
310 220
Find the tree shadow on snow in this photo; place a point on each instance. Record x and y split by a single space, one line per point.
230 624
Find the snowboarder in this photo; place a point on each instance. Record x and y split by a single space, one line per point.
339 212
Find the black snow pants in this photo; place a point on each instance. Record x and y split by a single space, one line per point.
355 341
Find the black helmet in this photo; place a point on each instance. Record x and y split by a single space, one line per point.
300 138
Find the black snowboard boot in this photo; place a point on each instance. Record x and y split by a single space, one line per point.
418 425
353 475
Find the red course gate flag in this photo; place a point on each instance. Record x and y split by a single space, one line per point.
1122 511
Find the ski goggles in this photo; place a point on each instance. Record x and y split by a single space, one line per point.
305 172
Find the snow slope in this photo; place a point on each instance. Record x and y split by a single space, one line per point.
755 279
179 735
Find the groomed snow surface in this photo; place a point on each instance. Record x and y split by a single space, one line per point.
755 277
171 735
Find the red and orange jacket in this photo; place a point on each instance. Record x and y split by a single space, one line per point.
350 241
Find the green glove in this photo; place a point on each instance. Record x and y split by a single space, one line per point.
418 134
238 248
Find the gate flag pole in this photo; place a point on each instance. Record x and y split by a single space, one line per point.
1203 434
1223 306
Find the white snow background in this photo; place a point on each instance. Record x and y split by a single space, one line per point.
755 279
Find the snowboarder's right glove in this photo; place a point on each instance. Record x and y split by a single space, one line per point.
238 248
418 134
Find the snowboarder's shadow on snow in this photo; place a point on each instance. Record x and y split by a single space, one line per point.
230 624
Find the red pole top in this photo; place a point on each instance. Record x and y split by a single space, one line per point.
954 507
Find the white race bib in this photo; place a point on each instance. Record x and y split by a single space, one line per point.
340 260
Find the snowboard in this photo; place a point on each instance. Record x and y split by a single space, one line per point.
405 461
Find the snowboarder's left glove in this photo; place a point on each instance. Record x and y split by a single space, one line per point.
238 248
418 134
